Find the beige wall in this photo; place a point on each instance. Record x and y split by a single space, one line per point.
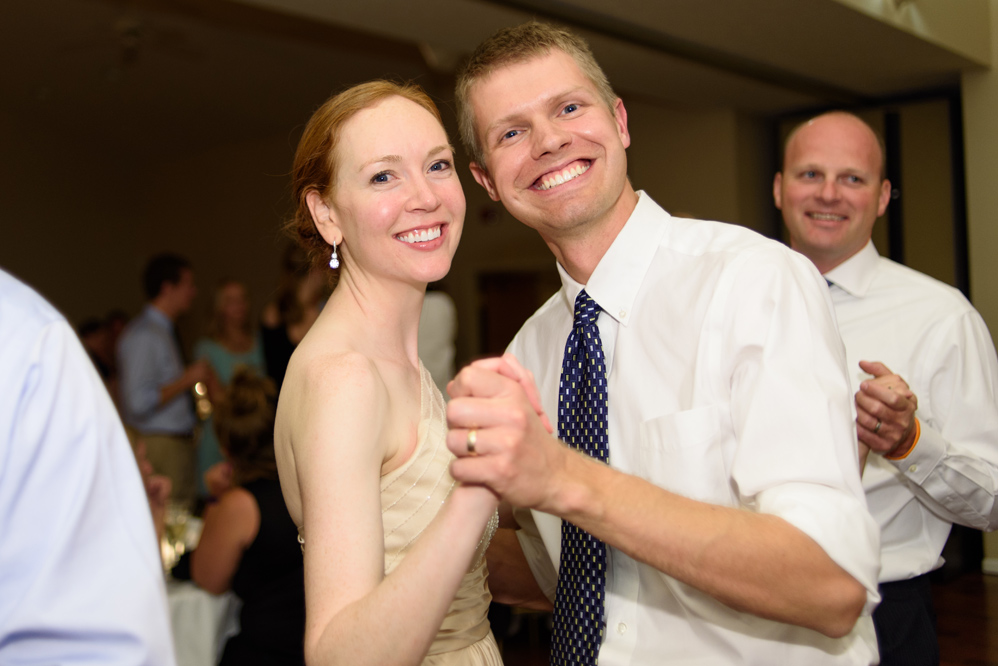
980 101
68 222
757 164
961 26
927 196
223 208
684 158
79 224
714 164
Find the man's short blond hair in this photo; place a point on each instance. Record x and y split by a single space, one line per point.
515 45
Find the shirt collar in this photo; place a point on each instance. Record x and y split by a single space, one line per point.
617 278
855 274
156 315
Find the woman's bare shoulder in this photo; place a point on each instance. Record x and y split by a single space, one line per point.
237 500
332 391
236 514
337 374
329 433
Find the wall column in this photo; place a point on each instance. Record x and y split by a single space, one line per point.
980 123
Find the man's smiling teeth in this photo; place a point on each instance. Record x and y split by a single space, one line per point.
827 217
563 177
420 236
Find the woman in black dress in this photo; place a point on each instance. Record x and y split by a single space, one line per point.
249 543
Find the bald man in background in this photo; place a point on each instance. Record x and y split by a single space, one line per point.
922 364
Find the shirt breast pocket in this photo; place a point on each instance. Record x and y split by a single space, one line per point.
681 452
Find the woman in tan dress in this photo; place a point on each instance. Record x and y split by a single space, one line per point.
394 549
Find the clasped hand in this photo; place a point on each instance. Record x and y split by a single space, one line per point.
885 411
515 453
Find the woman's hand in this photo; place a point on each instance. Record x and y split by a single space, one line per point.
508 366
218 478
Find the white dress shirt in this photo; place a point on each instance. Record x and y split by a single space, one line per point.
726 384
926 332
80 575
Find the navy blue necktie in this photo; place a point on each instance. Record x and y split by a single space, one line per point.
582 424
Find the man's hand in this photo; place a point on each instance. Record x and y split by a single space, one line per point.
199 371
515 453
864 453
158 488
885 411
510 579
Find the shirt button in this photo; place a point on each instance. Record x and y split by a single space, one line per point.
621 628
621 314
913 468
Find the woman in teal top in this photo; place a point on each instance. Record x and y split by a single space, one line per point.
231 344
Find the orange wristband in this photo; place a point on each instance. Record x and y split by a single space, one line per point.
918 433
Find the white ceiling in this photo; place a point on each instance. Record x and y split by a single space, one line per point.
165 76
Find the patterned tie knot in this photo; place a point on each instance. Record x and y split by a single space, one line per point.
586 310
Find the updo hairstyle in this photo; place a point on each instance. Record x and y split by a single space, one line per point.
244 423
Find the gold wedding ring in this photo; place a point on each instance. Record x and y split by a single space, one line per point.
876 428
472 438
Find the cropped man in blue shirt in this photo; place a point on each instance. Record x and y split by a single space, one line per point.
80 576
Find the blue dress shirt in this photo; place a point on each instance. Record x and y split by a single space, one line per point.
148 360
80 575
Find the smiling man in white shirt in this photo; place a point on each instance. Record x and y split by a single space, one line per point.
730 507
921 361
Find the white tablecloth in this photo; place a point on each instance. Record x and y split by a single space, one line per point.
201 622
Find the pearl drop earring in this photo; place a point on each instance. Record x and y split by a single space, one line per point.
334 261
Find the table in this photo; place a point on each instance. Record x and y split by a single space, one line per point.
201 622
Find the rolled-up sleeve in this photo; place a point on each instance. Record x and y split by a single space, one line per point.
792 411
954 466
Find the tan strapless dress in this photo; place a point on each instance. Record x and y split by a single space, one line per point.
410 498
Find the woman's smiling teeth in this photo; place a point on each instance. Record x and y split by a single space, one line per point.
420 236
553 180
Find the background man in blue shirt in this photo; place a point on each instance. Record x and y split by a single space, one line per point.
154 383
